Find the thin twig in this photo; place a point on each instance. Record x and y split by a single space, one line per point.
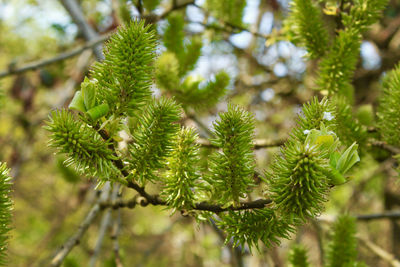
225 28
156 199
83 227
392 149
88 32
236 254
60 57
105 222
395 214
174 8
258 144
383 254
114 236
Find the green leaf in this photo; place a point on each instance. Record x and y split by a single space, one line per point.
348 159
88 89
98 111
77 102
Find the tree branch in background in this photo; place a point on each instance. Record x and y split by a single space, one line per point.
383 254
395 214
258 144
175 7
60 57
105 222
75 239
88 32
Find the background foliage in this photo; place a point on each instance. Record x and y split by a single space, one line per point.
254 62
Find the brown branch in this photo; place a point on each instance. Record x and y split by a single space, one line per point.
230 28
395 214
88 32
383 254
60 57
156 200
75 239
174 8
392 149
258 144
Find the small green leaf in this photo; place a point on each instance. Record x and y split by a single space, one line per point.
77 102
335 177
89 93
98 111
348 159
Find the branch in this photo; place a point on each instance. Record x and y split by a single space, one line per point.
83 227
105 222
395 214
174 8
392 149
226 25
88 32
114 237
258 144
156 200
62 56
383 254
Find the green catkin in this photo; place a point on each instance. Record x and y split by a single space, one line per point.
308 25
232 168
250 227
83 146
182 173
153 138
389 107
230 12
5 211
298 257
342 249
298 184
125 76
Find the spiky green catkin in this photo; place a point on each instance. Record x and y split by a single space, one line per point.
192 54
342 249
308 25
5 211
297 181
181 176
389 107
125 76
187 53
174 36
232 168
228 11
167 72
251 226
336 69
201 98
153 138
83 146
348 129
364 13
298 257
313 113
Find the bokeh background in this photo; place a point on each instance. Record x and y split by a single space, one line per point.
269 76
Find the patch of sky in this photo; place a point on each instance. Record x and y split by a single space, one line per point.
251 11
280 69
369 55
266 23
32 21
194 13
241 40
268 94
